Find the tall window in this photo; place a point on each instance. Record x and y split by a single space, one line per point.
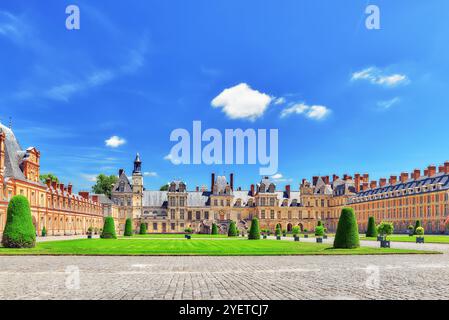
181 214
172 214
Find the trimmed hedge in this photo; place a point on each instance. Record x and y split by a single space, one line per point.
347 235
233 232
143 228
371 230
19 230
278 230
319 231
108 229
128 228
254 231
214 229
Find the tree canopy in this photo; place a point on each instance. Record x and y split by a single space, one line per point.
164 188
104 184
43 177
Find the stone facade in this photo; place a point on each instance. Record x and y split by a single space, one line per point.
53 204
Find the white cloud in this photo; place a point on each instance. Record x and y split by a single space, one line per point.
89 177
311 112
377 76
279 101
150 174
242 102
115 142
385 105
277 176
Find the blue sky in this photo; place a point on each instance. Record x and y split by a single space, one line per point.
344 98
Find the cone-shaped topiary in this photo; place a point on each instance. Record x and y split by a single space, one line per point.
233 232
143 228
371 230
319 223
278 229
254 231
108 229
214 229
347 235
44 231
417 225
19 231
128 228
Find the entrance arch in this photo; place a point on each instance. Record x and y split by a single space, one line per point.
301 227
289 227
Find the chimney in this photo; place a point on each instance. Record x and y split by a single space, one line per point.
303 181
446 167
84 194
345 177
212 182
287 190
441 169
95 198
231 178
69 188
365 186
239 188
61 187
252 190
416 174
382 182
326 179
334 177
404 177
393 180
432 170
48 182
54 184
357 182
373 184
315 180
366 177
120 171
426 172
197 188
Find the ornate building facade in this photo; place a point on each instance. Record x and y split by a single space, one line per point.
53 204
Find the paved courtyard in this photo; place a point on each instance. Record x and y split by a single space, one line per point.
284 277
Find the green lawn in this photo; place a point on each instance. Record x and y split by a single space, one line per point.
406 238
212 247
175 235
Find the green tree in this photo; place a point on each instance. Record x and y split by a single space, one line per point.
108 229
19 231
385 229
347 235
295 230
43 177
143 228
233 232
417 225
420 231
319 231
164 187
128 228
371 230
214 229
278 229
254 231
104 184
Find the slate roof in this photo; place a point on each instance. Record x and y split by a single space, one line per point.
198 199
154 198
122 182
103 199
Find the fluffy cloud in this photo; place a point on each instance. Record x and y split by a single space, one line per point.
242 102
278 177
310 112
89 177
377 76
115 142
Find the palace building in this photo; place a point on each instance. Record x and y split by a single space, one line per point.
53 204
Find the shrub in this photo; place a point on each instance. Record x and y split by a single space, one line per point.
254 232
128 228
19 231
188 230
371 230
420 231
319 223
347 235
143 228
319 231
385 229
90 230
108 229
305 230
214 229
233 232
295 230
278 229
44 231
417 225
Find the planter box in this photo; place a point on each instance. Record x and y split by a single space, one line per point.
89 236
188 237
419 240
380 238
319 240
385 244
306 236
325 237
296 238
278 237
264 236
284 234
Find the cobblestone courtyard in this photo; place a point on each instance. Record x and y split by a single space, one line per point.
284 277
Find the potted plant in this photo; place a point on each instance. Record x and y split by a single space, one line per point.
284 233
410 230
89 233
188 232
325 235
295 232
44 231
305 233
278 232
264 233
385 229
319 232
96 230
419 235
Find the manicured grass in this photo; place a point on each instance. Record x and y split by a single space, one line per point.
217 247
406 238
175 235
